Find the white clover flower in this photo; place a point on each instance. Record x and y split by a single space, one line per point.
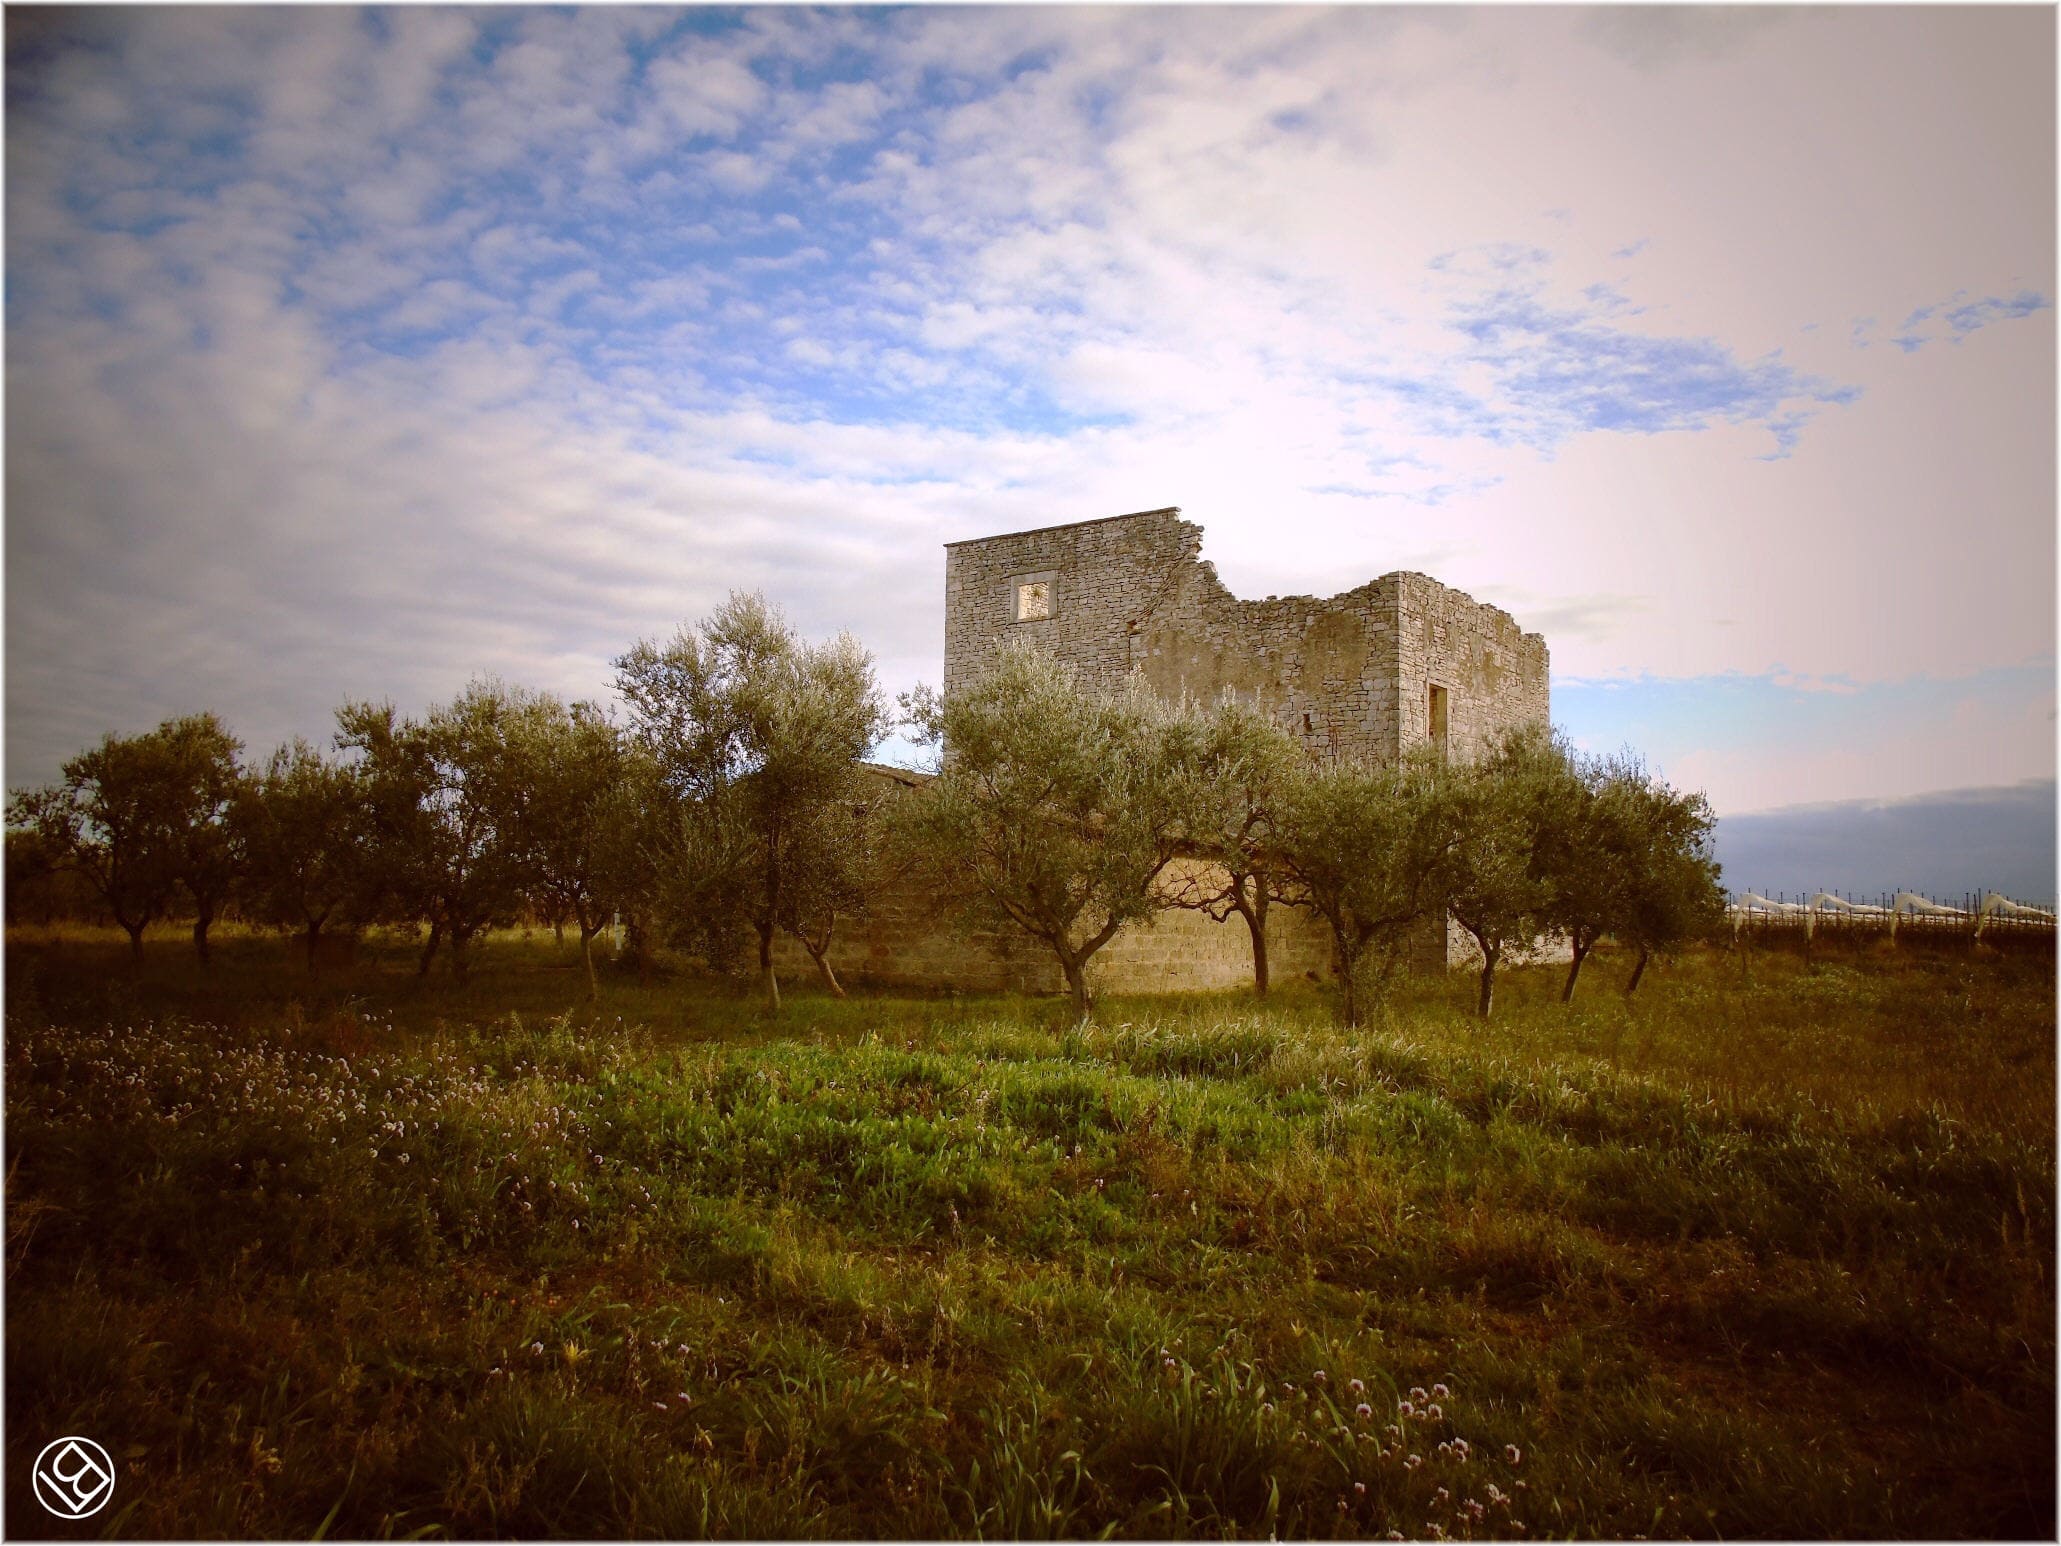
1357 1387
1440 1391
1363 1411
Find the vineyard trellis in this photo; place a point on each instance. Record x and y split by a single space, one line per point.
1977 915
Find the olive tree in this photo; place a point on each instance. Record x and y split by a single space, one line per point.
1055 807
1672 893
1507 814
1626 856
442 794
40 886
200 765
574 813
1369 846
106 823
1590 855
137 816
837 862
1246 762
755 733
306 844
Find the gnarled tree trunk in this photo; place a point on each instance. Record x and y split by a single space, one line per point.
1076 970
822 959
1574 970
1486 1003
1254 910
769 978
587 934
461 936
1349 951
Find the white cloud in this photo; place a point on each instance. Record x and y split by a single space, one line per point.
705 93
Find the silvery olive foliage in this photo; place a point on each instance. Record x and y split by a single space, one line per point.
1055 807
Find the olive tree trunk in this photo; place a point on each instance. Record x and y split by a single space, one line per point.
768 977
1486 1003
1574 969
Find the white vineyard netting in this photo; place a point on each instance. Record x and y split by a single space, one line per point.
1751 906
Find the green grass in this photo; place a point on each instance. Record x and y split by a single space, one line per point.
1767 1252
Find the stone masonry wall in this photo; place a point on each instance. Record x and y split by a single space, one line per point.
1106 574
1494 672
1323 670
903 942
1350 675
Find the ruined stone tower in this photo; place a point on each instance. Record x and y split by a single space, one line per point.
1400 660
1397 661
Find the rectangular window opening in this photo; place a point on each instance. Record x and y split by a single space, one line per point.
1438 718
1031 598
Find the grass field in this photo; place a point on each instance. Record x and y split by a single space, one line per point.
1766 1252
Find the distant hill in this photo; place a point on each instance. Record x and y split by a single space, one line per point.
1946 843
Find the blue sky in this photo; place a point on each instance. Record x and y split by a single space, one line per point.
355 352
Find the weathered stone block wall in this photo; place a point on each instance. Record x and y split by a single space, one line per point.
1349 675
1105 575
1183 950
902 942
1495 674
1324 670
